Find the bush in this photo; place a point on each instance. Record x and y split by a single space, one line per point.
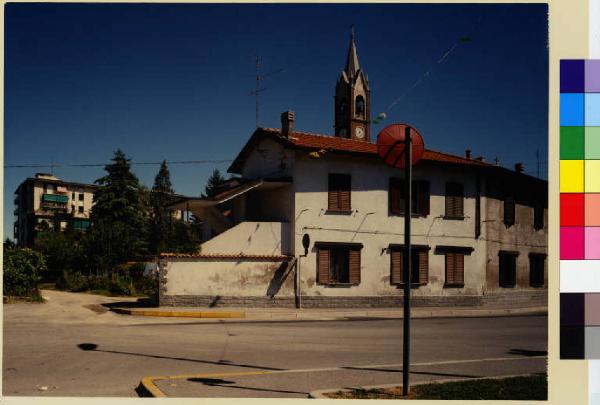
126 279
23 270
62 252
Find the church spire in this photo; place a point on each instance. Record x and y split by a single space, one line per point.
352 65
352 99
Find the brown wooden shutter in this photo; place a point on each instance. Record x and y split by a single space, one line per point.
333 196
423 257
454 200
459 270
450 268
423 197
395 196
339 192
323 266
354 265
344 193
455 268
396 266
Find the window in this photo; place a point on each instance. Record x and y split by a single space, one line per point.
509 210
419 265
455 269
455 263
339 192
507 273
338 264
360 106
538 216
80 210
536 269
420 197
73 195
80 196
454 200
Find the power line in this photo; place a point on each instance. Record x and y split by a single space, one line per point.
177 162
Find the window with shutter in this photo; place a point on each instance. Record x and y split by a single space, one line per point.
538 216
536 269
420 197
419 265
339 192
509 210
507 272
455 269
338 263
454 200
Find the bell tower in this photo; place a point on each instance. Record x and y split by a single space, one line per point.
353 99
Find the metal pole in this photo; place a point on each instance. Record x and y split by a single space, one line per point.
407 261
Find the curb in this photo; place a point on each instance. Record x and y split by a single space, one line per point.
182 314
320 394
251 316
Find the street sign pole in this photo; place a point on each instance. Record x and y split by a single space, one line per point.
401 146
407 260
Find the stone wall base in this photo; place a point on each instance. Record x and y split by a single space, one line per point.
529 298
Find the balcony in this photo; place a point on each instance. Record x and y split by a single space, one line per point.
54 202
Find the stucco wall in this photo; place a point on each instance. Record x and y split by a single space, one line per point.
269 204
208 277
521 237
257 238
268 160
371 224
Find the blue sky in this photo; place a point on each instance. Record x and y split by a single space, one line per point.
173 81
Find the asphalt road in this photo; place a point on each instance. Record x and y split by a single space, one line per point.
70 346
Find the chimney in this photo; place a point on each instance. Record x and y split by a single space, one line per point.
468 153
287 123
519 167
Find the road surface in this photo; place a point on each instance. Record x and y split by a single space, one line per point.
71 346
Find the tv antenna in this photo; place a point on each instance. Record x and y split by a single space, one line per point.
258 89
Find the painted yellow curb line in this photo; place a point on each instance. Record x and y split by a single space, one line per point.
147 383
182 314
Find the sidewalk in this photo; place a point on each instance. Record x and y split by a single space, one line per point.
287 314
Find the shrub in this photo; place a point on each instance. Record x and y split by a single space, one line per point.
23 270
126 279
62 253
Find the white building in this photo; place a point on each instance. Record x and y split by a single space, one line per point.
479 230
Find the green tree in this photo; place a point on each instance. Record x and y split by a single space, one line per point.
62 253
119 217
213 183
161 219
22 270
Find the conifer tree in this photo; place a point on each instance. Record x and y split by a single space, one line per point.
161 219
213 183
119 216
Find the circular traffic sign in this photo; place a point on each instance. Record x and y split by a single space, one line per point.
391 145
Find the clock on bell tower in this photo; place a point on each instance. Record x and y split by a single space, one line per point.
353 100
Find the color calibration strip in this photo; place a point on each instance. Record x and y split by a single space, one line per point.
580 209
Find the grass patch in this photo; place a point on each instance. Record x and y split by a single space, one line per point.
513 388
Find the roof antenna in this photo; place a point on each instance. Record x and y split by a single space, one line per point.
257 89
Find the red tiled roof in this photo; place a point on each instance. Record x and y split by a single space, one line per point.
318 142
226 256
